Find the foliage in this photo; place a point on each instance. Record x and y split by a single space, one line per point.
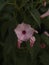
13 12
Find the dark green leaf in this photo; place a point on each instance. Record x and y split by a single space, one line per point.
45 39
35 14
44 58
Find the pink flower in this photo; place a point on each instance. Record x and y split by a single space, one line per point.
24 32
45 14
46 33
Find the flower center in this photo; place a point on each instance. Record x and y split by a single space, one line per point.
23 32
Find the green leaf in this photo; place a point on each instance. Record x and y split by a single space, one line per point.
4 29
11 1
30 20
35 14
45 21
1 43
35 49
10 48
2 4
21 3
44 58
45 38
24 2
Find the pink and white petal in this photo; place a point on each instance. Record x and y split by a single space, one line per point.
19 43
22 26
32 41
20 36
45 14
46 33
28 27
18 28
35 31
23 38
29 32
25 26
18 33
28 36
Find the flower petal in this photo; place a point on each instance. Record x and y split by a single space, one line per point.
32 41
35 31
46 33
45 14
19 43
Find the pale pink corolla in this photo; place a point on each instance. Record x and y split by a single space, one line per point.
46 33
25 32
45 14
